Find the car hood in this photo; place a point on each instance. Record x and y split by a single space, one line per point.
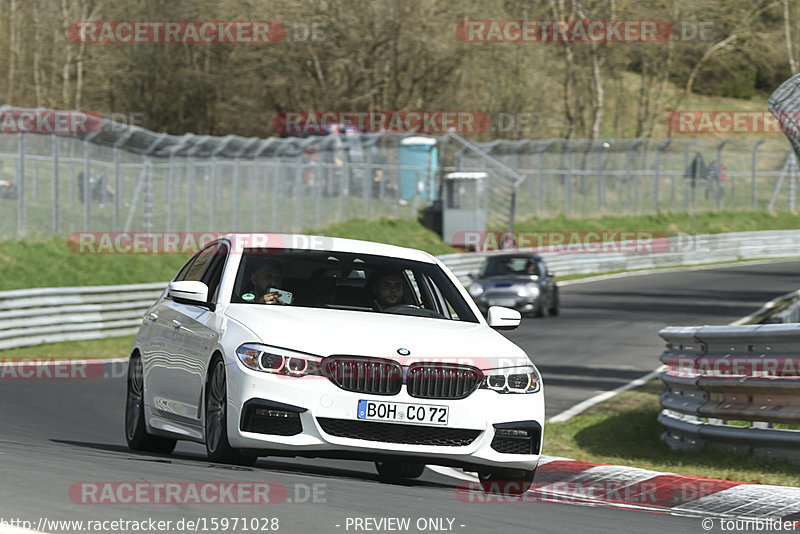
327 332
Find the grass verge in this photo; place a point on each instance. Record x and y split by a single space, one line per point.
624 431
671 224
113 347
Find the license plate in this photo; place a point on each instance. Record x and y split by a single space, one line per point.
397 412
507 303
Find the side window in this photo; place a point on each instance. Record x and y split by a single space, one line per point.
182 273
542 269
213 274
415 292
198 267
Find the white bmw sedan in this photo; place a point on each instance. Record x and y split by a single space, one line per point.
289 345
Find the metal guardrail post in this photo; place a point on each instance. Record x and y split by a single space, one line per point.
753 186
659 149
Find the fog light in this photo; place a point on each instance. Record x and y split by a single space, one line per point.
511 433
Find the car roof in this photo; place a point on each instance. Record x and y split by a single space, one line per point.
514 255
325 243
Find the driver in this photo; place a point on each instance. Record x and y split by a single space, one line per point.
388 290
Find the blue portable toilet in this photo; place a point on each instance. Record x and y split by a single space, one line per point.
419 159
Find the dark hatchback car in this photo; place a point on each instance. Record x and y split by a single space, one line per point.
519 281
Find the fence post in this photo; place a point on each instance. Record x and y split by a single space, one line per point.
191 169
568 181
754 159
720 192
686 150
540 176
601 179
36 179
21 186
659 149
87 191
56 157
236 195
171 191
276 196
148 194
628 164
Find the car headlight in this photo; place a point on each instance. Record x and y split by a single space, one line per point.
475 289
514 380
530 290
278 361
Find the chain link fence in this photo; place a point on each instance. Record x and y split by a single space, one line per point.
125 178
581 177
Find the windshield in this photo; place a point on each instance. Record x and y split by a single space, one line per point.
511 265
347 281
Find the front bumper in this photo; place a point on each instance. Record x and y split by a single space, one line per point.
320 405
521 304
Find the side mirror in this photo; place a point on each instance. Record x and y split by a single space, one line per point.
550 273
501 318
189 292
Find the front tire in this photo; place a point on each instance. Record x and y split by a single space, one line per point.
398 471
506 481
218 448
135 429
554 305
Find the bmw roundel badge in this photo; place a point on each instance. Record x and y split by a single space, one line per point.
403 352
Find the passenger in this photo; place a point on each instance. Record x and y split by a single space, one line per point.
269 275
323 290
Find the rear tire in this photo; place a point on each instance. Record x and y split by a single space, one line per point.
216 428
506 481
398 471
135 429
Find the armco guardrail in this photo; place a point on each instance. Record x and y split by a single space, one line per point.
686 250
729 386
51 314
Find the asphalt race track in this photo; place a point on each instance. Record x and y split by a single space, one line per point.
57 434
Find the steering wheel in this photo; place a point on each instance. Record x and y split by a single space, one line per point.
400 308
